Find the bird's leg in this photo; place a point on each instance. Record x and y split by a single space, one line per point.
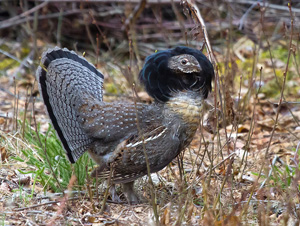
129 193
113 194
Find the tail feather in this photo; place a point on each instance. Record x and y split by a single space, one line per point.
117 177
64 78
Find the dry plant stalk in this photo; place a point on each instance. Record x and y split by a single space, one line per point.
63 201
199 20
279 106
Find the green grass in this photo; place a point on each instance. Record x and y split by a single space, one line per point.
51 167
280 176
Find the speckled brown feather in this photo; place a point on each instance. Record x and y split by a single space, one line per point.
178 79
174 127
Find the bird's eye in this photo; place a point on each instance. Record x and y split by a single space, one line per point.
184 61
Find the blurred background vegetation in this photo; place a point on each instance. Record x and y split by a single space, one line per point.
256 54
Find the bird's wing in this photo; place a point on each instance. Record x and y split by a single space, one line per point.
112 121
123 143
128 161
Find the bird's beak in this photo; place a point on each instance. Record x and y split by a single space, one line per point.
197 68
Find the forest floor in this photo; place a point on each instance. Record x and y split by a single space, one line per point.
229 169
242 167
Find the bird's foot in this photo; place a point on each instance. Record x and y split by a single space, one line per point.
129 193
113 194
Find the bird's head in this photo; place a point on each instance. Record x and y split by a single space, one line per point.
184 63
180 69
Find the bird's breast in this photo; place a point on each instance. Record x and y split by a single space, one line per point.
187 111
188 107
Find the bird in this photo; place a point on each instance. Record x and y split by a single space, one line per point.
120 136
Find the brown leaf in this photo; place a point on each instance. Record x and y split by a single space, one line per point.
228 220
244 129
165 219
92 219
281 149
23 180
5 187
191 210
138 209
3 154
230 114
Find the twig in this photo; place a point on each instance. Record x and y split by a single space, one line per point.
283 85
135 14
271 6
42 204
228 157
8 92
63 201
26 13
115 1
6 24
58 201
199 20
241 25
13 57
23 63
152 192
111 172
279 105
214 167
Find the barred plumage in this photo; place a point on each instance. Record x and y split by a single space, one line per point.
178 79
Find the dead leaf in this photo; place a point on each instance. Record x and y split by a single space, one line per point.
138 209
165 219
191 210
243 129
5 187
274 63
228 220
281 149
3 154
22 180
249 176
92 219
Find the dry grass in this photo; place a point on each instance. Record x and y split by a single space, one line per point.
242 167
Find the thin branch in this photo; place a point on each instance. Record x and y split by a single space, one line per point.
135 14
114 1
199 20
279 105
26 13
13 57
7 23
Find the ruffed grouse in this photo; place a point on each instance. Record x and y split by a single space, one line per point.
117 133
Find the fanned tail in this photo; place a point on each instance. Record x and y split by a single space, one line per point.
64 78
